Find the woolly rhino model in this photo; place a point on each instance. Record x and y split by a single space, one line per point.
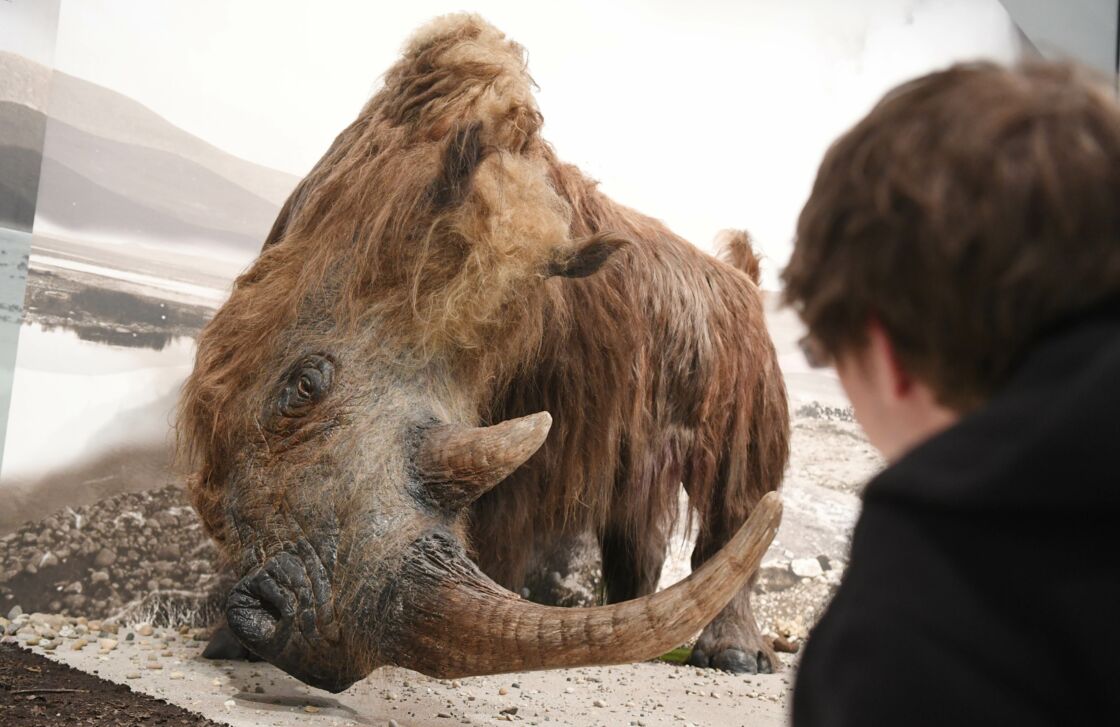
454 350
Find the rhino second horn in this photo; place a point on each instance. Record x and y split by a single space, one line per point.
458 463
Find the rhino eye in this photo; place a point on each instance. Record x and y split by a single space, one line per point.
306 385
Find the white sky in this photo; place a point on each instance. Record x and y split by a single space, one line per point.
706 114
27 27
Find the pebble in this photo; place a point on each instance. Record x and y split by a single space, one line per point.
310 708
176 675
107 644
154 665
49 645
79 644
503 691
806 567
146 629
598 703
132 675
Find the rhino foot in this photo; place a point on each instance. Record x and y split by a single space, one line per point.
732 643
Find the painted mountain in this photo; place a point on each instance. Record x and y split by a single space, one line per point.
112 166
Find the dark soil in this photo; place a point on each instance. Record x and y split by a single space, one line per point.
37 691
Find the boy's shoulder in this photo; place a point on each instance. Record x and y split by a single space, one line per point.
1045 442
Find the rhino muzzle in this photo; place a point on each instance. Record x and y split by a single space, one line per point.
282 611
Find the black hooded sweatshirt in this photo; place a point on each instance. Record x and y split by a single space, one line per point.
984 577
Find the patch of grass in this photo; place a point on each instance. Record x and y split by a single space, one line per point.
678 655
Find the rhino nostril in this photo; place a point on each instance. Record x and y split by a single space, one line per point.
259 612
272 610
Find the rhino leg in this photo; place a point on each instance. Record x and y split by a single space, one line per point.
631 565
732 641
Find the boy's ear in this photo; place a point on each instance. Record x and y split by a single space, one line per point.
894 377
588 257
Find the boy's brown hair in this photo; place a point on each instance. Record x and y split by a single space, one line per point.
971 210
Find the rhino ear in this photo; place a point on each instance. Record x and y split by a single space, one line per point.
462 155
589 256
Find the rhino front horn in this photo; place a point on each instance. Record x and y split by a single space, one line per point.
458 463
452 621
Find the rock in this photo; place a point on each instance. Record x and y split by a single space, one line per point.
826 564
15 612
772 579
176 675
79 644
49 645
154 665
598 703
310 708
503 691
132 675
107 644
144 629
806 567
99 576
105 557
782 645
75 602
48 560
509 710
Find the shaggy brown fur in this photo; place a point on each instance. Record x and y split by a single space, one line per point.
431 227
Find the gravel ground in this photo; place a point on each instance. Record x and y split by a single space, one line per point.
165 664
138 556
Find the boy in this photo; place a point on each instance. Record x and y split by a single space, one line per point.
959 263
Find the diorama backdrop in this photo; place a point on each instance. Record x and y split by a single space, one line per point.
145 149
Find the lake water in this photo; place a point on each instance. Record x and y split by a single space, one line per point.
14 249
74 400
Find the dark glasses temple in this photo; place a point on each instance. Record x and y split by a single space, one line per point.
815 354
